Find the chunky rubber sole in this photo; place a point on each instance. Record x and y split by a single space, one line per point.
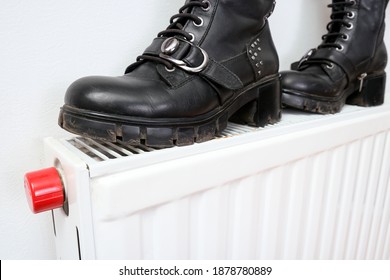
258 105
370 93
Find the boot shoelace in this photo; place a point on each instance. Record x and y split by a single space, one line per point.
339 18
176 26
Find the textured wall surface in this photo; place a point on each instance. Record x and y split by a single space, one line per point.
45 45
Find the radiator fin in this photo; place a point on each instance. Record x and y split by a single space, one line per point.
102 151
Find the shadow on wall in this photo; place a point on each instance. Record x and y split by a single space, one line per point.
295 33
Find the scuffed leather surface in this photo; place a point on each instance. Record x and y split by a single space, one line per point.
142 95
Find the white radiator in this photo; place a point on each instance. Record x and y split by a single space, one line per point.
310 187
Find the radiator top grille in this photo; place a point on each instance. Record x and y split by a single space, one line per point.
95 151
102 151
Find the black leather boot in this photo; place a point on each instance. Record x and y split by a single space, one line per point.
348 66
216 61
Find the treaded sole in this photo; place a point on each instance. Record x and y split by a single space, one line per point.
257 106
311 105
370 93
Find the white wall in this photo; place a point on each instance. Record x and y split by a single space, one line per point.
45 45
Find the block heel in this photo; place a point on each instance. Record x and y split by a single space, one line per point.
265 109
371 91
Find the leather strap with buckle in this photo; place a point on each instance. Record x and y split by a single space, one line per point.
193 59
324 56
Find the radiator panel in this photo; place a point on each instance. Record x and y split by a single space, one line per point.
332 205
310 187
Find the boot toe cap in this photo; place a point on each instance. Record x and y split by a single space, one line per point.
294 81
135 97
81 92
114 95
308 84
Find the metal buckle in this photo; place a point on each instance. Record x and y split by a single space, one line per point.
361 79
306 57
179 63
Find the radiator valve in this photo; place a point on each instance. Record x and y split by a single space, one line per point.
44 190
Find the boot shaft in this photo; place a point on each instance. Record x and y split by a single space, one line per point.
361 37
228 25
235 36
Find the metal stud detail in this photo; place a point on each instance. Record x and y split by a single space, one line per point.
169 46
254 52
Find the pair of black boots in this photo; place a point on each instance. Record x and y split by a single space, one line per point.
216 61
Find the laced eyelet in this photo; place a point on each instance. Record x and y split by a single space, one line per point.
207 4
200 23
170 70
340 48
350 26
353 2
192 37
351 15
345 37
330 66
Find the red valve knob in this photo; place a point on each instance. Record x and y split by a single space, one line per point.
44 190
